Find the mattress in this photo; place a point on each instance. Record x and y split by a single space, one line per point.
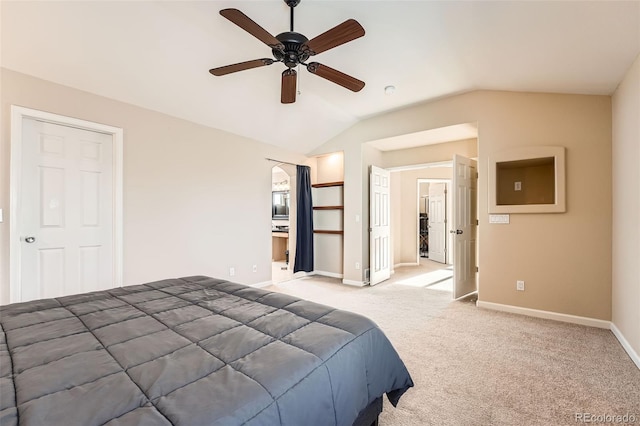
191 351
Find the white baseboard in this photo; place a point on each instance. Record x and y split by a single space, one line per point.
626 345
591 322
574 319
326 274
354 283
334 275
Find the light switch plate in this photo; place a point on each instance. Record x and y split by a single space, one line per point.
499 218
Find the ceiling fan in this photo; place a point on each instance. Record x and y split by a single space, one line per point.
293 49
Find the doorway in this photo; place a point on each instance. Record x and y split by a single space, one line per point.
430 226
283 211
66 206
434 215
453 150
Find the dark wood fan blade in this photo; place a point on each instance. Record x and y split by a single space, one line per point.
247 24
288 94
340 34
228 69
335 76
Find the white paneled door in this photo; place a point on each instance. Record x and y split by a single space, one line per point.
66 211
437 222
465 178
379 225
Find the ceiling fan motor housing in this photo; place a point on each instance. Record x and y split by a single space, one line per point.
294 53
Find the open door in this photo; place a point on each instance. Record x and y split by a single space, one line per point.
379 225
437 222
465 178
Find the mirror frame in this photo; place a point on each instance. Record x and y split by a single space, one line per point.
527 153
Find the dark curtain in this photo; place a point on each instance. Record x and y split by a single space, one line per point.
304 221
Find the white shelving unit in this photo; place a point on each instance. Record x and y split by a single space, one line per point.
328 221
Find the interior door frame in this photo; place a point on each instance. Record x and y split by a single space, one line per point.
291 171
448 213
18 115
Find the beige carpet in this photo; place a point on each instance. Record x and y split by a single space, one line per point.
478 367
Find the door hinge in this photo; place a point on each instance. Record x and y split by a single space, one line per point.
477 222
477 269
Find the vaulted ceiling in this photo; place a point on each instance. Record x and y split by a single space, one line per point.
156 54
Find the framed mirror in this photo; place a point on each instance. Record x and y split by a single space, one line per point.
280 205
527 180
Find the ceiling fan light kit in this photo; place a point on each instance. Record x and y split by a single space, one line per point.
293 49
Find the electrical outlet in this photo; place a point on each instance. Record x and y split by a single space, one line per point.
520 285
255 268
517 186
357 265
232 271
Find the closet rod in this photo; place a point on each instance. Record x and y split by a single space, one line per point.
282 162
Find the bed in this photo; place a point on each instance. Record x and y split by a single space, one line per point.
192 351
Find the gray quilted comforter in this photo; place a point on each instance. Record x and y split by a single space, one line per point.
190 351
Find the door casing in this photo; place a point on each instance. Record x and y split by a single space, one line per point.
18 114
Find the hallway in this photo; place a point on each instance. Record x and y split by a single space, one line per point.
429 274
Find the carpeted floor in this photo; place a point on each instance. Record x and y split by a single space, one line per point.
478 367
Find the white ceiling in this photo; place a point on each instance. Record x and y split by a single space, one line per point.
157 55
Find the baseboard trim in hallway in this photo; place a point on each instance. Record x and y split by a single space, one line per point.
626 345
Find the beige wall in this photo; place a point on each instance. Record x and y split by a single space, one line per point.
430 153
330 168
196 200
562 273
626 207
423 192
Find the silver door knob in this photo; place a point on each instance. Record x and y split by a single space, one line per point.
30 239
456 231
